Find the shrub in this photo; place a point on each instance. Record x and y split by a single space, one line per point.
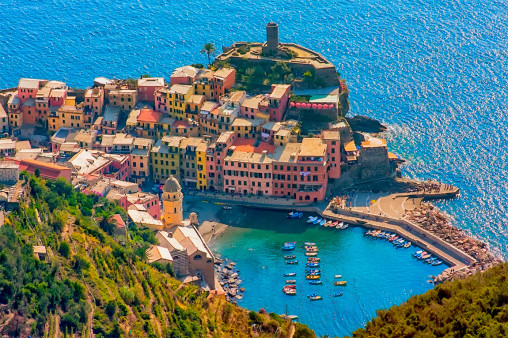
64 249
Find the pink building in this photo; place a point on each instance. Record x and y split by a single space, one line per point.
332 140
250 106
277 101
312 169
215 154
184 75
119 168
149 201
148 86
28 88
161 100
57 97
94 100
224 79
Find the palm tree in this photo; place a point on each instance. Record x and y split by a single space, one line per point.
209 49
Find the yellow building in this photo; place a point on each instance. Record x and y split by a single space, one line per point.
201 183
203 85
172 197
70 115
178 95
247 128
124 98
166 158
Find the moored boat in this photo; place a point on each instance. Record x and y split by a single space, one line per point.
340 283
315 298
337 294
313 259
407 245
290 281
345 226
313 264
290 257
312 276
328 224
323 221
309 243
317 221
290 292
315 249
292 262
312 219
315 282
290 274
311 254
338 276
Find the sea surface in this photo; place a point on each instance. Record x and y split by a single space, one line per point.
435 72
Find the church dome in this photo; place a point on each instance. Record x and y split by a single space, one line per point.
172 185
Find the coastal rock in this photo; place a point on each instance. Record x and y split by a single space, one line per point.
360 123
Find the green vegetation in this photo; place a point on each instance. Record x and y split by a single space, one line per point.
474 307
89 283
258 78
210 50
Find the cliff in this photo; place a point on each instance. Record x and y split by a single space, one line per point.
364 124
90 281
474 307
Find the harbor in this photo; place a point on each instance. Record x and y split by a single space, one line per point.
377 273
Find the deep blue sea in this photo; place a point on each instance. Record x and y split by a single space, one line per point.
435 72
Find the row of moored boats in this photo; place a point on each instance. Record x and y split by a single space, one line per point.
327 223
427 258
395 239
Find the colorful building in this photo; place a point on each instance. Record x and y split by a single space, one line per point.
94 100
123 98
140 160
147 123
185 75
172 203
223 79
178 95
165 158
147 87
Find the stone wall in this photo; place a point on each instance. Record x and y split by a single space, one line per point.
374 163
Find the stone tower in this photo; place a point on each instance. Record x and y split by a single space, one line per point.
272 37
172 198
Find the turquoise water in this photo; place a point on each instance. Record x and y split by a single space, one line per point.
378 275
435 71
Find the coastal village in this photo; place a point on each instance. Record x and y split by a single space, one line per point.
142 143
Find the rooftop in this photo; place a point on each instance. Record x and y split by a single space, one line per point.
253 101
111 114
279 91
185 71
252 146
313 147
29 83
156 253
149 116
223 72
180 89
245 122
374 142
151 82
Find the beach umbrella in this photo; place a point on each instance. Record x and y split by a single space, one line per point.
314 106
298 105
292 104
319 106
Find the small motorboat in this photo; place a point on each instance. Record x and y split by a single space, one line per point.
290 281
290 274
337 294
328 224
313 271
312 277
310 243
317 221
290 257
407 245
308 247
312 295
227 207
424 257
311 254
340 283
345 226
290 215
367 233
297 215
289 287
313 259
292 262
313 264
312 219
323 221
338 276
391 239
435 263
315 282
315 298
314 249
334 224
289 246
290 292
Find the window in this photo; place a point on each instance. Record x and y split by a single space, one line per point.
197 257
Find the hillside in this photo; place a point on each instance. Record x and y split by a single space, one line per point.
474 307
94 282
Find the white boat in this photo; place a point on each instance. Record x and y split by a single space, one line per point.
311 219
338 276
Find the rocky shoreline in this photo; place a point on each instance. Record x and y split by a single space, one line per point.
229 279
437 222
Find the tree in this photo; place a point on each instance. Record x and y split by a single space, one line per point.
37 172
209 49
64 249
